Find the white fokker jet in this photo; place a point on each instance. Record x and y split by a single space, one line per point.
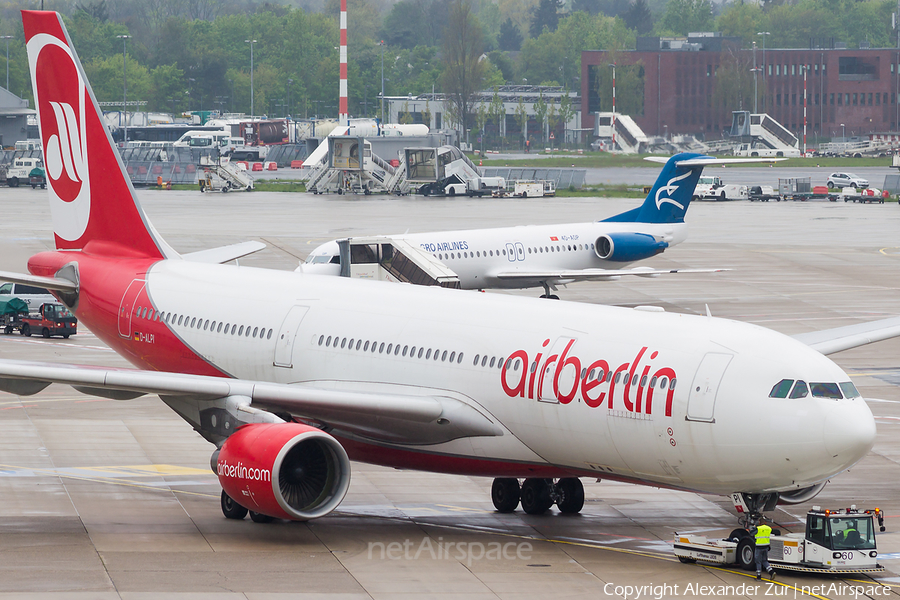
416 377
551 255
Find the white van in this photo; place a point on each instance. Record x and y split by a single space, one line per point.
20 170
203 139
34 297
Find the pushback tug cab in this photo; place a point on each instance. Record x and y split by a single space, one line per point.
836 541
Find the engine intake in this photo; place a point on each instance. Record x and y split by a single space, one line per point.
628 246
284 470
798 496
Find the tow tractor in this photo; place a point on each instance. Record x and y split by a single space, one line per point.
50 320
838 541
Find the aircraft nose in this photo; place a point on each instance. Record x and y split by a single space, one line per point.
849 431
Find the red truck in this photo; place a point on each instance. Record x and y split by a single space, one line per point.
52 319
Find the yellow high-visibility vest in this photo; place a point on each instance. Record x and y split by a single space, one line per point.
762 535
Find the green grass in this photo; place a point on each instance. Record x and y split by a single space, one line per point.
279 185
603 191
604 160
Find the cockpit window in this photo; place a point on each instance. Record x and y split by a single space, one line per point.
825 390
800 390
849 390
318 260
781 388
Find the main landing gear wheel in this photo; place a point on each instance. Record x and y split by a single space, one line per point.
569 495
505 494
744 554
260 518
550 296
231 509
536 496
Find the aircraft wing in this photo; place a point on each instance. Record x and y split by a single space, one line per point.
51 283
593 274
834 340
406 418
224 254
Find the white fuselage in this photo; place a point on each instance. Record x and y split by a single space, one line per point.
723 432
478 256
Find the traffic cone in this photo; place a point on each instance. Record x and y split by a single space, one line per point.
479 162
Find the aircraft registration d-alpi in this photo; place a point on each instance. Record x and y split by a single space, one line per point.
416 377
541 255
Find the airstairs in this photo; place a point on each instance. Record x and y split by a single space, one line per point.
390 259
350 166
628 135
222 175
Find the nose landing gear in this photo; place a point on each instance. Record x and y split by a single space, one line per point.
538 495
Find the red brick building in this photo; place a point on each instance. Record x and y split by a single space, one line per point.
854 87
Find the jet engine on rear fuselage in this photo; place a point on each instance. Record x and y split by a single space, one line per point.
284 470
628 246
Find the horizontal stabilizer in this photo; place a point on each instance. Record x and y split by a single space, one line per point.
834 340
51 283
224 254
707 161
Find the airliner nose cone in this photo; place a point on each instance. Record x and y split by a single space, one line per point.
849 431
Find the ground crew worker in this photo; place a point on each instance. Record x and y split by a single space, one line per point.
762 533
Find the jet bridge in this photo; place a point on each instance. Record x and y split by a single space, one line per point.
393 259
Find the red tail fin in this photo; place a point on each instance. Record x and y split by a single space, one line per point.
92 201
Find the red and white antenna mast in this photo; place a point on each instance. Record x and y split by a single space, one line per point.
342 102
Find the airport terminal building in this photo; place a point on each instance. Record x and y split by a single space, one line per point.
850 91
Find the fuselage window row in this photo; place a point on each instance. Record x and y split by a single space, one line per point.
390 348
530 250
205 324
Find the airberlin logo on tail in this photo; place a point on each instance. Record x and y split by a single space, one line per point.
669 189
563 377
61 98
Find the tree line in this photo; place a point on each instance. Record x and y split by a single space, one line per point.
194 54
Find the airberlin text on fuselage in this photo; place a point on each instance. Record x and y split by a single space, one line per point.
545 377
239 471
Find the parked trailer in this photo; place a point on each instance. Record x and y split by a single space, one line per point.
762 193
838 541
863 196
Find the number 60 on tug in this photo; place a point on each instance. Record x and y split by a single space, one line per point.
836 541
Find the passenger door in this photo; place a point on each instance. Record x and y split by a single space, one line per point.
702 398
284 343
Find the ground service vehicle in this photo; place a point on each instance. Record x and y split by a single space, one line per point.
52 319
20 171
9 313
37 178
713 188
836 541
762 193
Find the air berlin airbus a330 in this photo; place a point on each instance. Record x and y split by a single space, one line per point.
416 377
